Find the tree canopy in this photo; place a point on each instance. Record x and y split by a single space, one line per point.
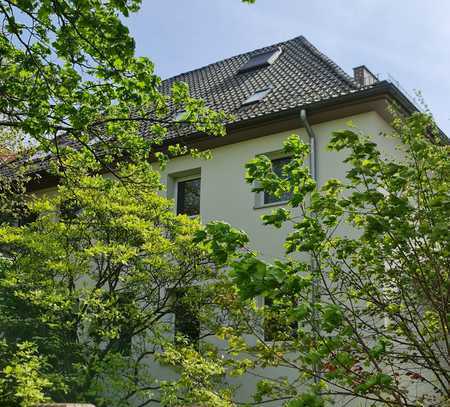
88 292
70 78
73 88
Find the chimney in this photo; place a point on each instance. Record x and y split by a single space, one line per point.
363 76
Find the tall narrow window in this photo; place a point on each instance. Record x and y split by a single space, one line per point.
277 166
188 197
187 325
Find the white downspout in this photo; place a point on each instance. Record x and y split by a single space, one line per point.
312 145
313 159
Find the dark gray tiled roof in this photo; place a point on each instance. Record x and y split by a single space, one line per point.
300 76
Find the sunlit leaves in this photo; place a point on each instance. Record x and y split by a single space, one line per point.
22 378
90 282
221 240
277 217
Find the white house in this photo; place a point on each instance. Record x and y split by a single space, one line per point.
286 88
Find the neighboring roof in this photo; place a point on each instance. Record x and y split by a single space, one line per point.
301 75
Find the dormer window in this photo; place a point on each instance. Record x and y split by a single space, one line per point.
256 97
261 60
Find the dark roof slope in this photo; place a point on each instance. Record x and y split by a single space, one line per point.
301 75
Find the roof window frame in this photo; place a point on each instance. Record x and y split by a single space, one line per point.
257 96
251 64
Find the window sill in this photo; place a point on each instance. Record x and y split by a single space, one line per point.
270 205
189 216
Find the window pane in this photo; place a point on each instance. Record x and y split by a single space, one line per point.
261 60
277 166
181 115
188 197
256 97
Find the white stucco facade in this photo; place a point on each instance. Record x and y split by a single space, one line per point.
227 197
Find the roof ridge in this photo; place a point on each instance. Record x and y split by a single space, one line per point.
331 64
278 44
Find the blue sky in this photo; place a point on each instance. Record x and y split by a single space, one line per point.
407 39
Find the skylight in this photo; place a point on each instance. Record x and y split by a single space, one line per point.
256 97
261 60
180 115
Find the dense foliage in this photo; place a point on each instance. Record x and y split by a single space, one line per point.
359 308
87 293
72 88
